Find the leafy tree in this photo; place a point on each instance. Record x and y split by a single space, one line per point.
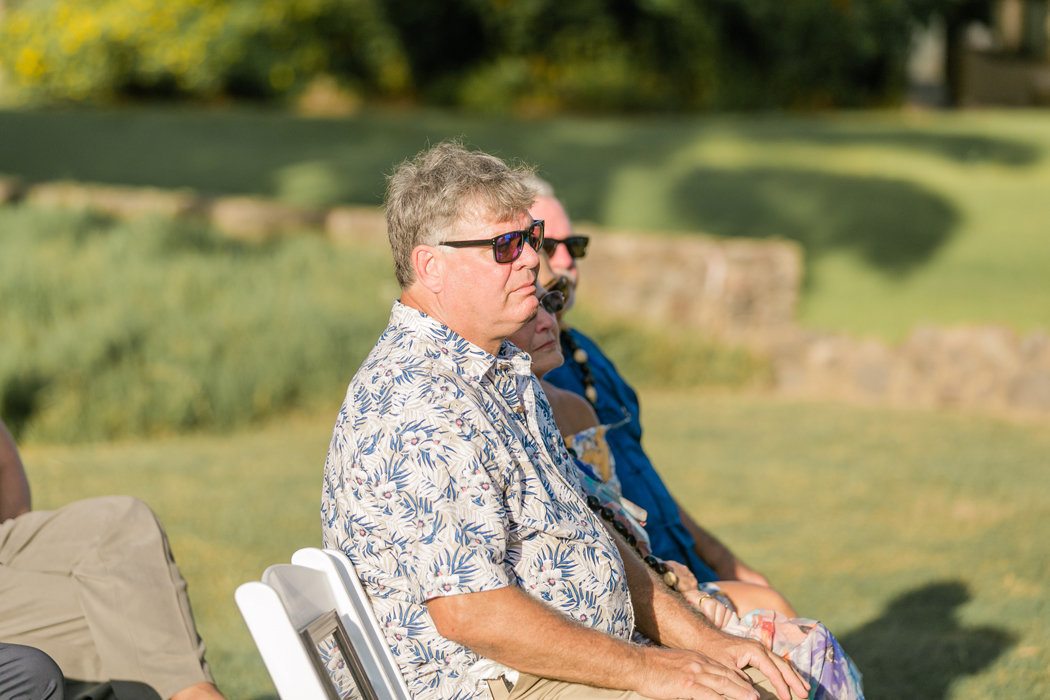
810 53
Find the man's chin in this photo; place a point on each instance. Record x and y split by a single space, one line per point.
528 313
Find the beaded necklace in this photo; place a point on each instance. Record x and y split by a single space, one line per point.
669 577
579 356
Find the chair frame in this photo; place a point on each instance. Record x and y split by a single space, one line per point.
288 598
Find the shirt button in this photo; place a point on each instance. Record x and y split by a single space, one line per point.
520 410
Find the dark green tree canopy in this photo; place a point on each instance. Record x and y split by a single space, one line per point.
531 56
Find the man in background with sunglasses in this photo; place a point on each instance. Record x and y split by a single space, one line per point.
448 486
675 535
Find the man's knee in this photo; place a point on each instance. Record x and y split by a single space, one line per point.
121 507
121 513
118 528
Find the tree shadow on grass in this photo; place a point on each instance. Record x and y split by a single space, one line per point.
917 648
959 148
893 225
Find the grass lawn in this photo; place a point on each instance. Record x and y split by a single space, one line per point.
905 218
917 537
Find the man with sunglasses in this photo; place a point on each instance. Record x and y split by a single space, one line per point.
675 535
448 486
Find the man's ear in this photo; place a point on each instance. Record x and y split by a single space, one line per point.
429 265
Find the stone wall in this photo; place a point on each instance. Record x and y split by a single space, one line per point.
744 292
730 288
236 216
989 368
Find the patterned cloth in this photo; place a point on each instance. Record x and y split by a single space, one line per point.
440 480
640 481
591 446
809 646
598 478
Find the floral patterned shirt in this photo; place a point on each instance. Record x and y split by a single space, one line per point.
447 475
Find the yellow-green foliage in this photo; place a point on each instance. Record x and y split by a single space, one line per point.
98 49
490 55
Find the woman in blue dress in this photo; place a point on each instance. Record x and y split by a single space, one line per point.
769 617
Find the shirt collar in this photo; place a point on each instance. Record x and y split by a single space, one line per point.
441 341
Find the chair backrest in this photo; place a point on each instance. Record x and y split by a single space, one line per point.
297 597
381 666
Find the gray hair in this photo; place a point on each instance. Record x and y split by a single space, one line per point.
539 186
430 193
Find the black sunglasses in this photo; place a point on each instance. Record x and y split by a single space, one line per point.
561 284
577 245
507 247
552 302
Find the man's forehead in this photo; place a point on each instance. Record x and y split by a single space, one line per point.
478 216
555 218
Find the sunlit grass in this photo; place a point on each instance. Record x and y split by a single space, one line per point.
232 505
916 536
913 535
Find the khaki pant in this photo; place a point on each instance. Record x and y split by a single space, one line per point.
533 688
94 585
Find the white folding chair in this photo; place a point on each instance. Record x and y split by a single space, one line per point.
289 616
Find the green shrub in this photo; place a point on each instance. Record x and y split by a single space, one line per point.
114 329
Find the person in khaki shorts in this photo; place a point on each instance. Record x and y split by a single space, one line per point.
450 489
93 585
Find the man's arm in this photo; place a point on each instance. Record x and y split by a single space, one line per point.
665 617
717 555
513 628
14 487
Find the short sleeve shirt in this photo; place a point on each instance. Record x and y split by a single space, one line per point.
447 475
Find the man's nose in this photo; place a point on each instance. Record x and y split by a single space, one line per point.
561 258
529 257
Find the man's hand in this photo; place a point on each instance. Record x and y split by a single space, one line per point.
667 619
513 628
677 673
739 653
